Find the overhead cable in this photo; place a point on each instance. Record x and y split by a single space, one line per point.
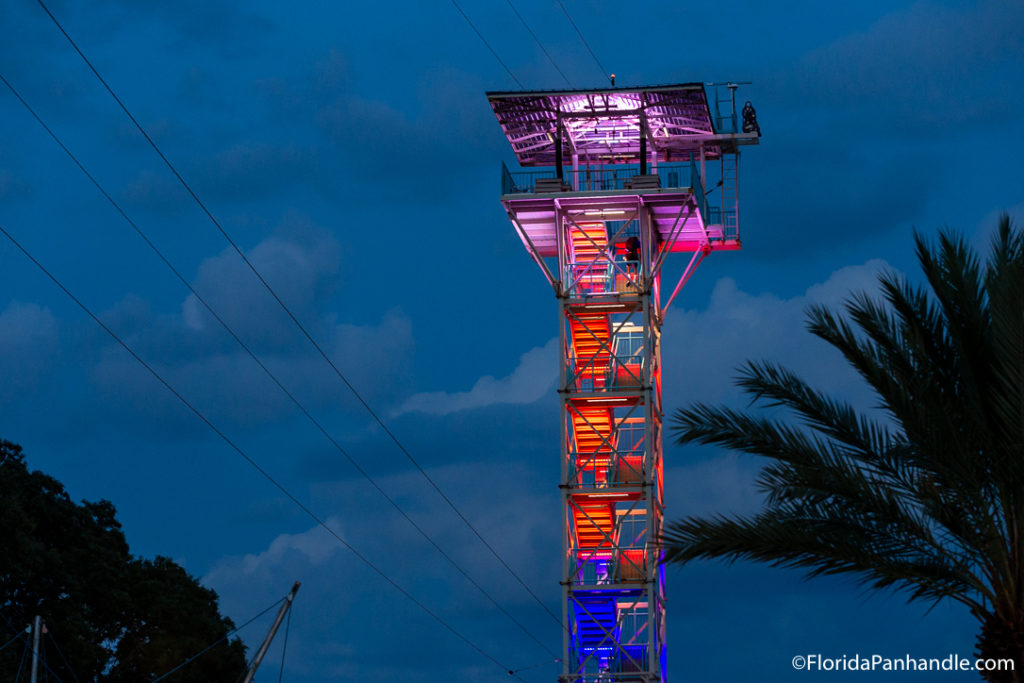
484 41
295 319
245 347
539 44
238 449
604 72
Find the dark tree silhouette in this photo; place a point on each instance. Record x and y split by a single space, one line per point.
116 618
926 496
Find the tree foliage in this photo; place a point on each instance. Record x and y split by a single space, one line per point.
116 618
928 496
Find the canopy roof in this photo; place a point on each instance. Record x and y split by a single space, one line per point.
603 125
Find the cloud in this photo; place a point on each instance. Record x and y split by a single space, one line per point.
532 379
29 345
314 547
932 67
881 189
13 186
301 263
24 326
338 590
394 139
198 357
701 349
719 485
854 125
984 232
241 171
244 170
223 24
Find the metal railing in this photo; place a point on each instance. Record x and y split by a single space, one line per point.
714 215
673 176
604 178
601 276
614 566
611 665
608 468
522 182
608 374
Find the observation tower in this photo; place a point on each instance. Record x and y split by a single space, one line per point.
618 179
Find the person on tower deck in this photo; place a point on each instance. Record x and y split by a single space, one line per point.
632 255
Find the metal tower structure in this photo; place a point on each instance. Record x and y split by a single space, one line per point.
628 176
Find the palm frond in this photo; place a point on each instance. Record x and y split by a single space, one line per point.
928 495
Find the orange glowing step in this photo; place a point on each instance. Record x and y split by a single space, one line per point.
592 428
593 524
590 333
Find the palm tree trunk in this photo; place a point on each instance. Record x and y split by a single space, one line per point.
1002 637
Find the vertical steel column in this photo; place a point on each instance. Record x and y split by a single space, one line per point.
736 202
558 149
652 439
564 280
37 624
643 144
566 494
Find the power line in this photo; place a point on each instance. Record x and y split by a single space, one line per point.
296 321
539 44
484 40
604 72
235 447
537 665
316 423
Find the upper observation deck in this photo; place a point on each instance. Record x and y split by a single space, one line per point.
668 153
616 125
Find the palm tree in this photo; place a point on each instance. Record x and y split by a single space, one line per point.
927 495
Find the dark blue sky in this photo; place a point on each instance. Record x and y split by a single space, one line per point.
351 153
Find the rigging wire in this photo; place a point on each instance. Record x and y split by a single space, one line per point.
29 648
4 646
316 423
218 641
56 647
42 658
238 449
21 663
604 72
539 44
296 321
284 648
484 40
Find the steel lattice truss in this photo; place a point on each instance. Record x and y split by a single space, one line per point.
604 126
601 232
